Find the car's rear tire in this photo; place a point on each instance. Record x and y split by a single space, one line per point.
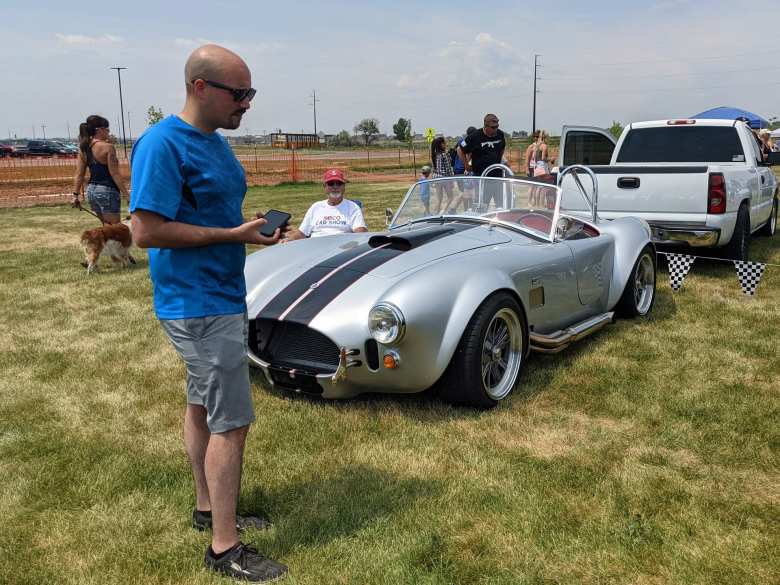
770 227
639 295
489 357
738 247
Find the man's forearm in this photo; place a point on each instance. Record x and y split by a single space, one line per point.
174 234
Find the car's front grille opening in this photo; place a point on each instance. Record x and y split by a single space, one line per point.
372 354
306 383
292 345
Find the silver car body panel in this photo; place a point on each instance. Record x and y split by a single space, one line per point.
437 285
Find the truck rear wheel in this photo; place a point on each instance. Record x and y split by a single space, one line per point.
738 247
770 227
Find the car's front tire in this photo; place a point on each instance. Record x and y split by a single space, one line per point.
639 295
489 357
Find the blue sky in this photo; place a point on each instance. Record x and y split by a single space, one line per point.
443 64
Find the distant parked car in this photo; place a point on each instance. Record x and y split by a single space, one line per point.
6 150
48 148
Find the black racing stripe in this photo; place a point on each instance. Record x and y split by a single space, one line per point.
338 283
320 298
288 295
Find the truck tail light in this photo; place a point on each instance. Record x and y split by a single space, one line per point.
680 122
716 194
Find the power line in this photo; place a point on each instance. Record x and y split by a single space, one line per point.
650 90
652 76
672 59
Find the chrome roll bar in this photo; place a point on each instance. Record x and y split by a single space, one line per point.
504 170
573 169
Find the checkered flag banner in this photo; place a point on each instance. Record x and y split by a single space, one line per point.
679 266
749 275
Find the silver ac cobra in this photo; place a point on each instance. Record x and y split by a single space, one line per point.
455 299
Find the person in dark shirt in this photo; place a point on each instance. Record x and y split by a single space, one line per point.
481 149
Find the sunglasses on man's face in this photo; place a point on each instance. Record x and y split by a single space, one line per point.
239 93
492 127
334 183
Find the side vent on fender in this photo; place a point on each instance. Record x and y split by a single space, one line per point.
536 297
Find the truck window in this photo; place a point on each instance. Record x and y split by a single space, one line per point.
679 144
587 148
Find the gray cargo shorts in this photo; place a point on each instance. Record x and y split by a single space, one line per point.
214 350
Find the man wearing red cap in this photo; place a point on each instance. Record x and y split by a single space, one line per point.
334 215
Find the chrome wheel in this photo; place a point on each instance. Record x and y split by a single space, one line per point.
502 354
644 284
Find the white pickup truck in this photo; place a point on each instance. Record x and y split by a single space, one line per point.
698 183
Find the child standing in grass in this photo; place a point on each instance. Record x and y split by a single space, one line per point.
425 188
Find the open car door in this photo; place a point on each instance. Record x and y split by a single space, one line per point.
585 145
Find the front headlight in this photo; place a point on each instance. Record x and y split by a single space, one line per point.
386 323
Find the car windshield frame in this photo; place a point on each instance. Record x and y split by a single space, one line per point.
538 191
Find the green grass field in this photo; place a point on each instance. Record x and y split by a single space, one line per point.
647 454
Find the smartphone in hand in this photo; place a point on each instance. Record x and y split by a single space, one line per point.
275 219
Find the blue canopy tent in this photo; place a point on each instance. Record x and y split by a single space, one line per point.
727 113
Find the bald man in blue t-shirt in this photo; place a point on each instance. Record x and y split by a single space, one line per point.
187 192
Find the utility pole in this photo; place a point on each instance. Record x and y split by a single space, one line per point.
43 128
121 105
68 125
313 103
536 66
33 131
129 128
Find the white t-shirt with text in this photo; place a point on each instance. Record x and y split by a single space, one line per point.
324 220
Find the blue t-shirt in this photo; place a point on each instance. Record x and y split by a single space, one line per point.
457 166
425 190
188 176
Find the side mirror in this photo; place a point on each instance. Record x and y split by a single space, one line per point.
388 215
773 158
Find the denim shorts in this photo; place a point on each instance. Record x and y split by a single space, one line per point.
214 351
103 199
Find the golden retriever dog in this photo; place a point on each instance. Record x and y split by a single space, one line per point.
112 239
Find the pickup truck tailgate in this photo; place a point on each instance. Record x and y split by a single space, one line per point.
647 191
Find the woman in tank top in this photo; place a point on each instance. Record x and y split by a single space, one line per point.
106 184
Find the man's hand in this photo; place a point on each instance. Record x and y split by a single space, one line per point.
249 233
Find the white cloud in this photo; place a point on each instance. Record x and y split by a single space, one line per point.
241 48
486 39
85 41
498 83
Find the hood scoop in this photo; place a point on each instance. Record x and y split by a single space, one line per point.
410 240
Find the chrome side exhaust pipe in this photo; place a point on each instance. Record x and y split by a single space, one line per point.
561 339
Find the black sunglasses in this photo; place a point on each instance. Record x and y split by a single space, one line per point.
334 183
492 127
239 93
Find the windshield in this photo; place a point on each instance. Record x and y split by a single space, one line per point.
530 206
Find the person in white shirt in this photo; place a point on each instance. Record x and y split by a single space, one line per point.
334 215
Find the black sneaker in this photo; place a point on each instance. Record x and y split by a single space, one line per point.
201 521
244 562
